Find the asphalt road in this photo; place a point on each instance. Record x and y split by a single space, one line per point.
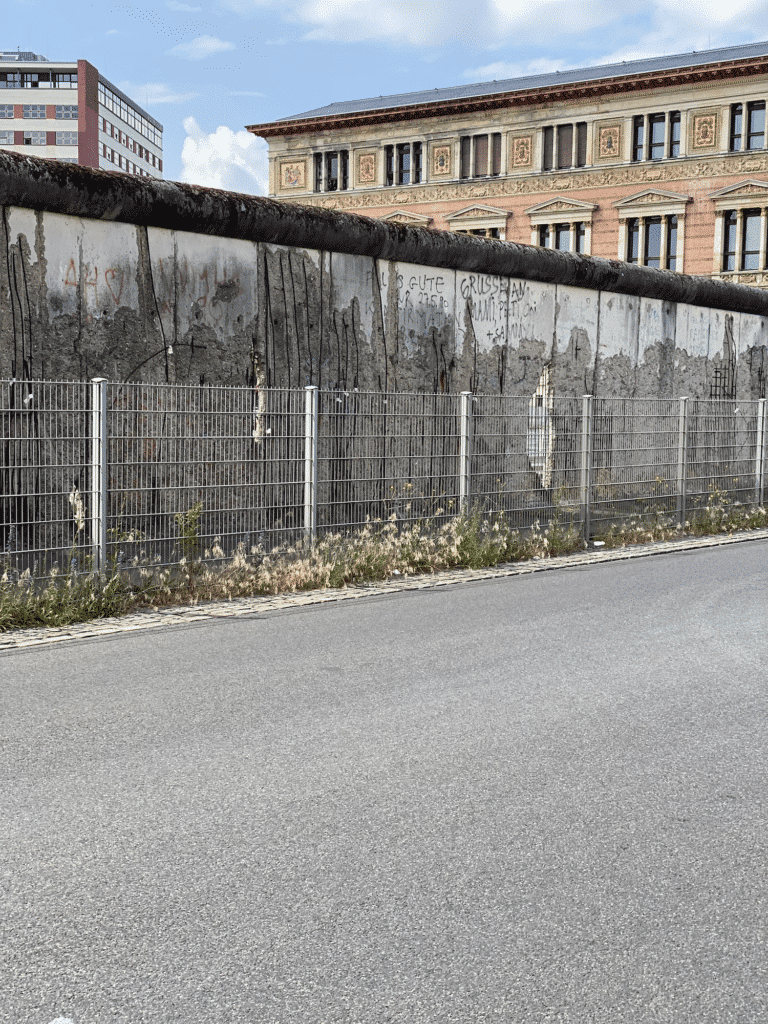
540 799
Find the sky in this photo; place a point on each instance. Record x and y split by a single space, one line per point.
207 68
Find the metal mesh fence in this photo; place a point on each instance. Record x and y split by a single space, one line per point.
44 476
526 457
386 455
721 451
196 470
634 460
207 471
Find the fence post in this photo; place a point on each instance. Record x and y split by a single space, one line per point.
682 461
310 462
587 413
760 447
99 474
465 452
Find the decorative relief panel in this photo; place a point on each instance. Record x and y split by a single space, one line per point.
520 153
293 174
641 174
608 142
703 129
441 161
366 168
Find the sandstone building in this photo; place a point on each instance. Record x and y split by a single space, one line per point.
68 111
660 162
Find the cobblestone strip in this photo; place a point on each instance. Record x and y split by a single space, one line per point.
183 615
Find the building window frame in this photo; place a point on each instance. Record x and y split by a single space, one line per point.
482 221
480 155
564 146
554 218
330 169
741 228
656 136
652 229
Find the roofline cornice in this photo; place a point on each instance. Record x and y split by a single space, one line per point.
555 93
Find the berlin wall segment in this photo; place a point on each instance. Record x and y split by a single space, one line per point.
103 274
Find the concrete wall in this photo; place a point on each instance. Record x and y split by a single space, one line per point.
105 274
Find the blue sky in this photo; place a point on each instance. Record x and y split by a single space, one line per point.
206 68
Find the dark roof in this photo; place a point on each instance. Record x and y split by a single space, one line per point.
531 82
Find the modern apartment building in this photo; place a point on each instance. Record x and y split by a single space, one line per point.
69 111
661 162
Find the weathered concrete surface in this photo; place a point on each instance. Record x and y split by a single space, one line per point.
134 279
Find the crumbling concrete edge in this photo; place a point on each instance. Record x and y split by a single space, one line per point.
259 606
74 190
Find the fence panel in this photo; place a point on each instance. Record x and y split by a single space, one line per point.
44 476
722 440
202 469
635 460
383 455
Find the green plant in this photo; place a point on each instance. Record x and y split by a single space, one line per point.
188 531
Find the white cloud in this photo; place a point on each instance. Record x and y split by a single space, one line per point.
236 161
153 93
112 32
500 70
174 5
239 93
672 25
203 46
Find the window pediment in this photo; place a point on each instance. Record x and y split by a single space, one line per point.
405 217
742 194
653 201
478 211
561 209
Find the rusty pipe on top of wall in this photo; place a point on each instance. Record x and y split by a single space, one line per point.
107 195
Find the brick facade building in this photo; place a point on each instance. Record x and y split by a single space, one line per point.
68 111
662 162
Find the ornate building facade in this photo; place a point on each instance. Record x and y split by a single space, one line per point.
660 162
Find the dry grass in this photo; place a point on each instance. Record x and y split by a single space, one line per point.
380 551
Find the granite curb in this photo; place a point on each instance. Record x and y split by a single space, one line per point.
184 615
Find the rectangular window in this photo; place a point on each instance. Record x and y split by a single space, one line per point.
581 237
656 125
331 172
564 146
35 138
36 80
736 127
416 162
344 169
563 237
544 236
389 156
729 240
653 242
66 112
496 153
10 80
33 110
756 125
481 156
64 79
66 138
548 149
672 243
318 172
674 133
404 164
633 240
638 135
6 110
6 138
581 144
750 250
465 167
